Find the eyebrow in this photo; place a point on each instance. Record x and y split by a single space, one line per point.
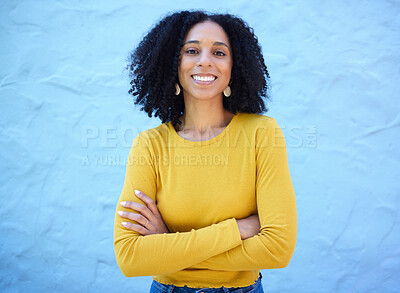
215 44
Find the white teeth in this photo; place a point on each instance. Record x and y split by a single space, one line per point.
203 78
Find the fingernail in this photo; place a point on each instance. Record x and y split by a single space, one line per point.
124 224
120 213
137 192
123 203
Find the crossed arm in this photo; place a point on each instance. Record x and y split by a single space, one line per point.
137 254
150 221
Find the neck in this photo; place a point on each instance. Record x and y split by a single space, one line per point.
202 117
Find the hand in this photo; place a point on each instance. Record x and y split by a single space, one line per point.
249 226
149 218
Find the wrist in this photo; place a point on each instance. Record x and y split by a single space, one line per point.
239 223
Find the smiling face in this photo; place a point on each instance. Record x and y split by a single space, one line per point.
206 61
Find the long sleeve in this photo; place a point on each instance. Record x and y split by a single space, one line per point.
139 255
273 247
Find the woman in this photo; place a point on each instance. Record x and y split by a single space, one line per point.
207 199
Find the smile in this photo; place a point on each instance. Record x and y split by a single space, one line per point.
204 78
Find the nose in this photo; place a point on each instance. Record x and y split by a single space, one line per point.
204 59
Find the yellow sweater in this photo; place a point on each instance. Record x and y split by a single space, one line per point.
201 188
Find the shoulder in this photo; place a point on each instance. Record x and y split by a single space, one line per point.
153 136
264 129
257 122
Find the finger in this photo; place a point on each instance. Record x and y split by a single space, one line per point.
138 228
141 208
134 217
148 201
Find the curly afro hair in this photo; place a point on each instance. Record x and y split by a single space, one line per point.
153 66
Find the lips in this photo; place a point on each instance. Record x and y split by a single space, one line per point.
204 78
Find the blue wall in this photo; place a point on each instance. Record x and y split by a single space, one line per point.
67 122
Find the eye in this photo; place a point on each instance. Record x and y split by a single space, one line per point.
220 53
191 51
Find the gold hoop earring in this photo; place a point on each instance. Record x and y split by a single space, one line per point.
177 89
227 92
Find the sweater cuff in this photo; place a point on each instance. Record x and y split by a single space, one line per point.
234 233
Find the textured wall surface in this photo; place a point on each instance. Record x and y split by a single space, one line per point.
67 122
